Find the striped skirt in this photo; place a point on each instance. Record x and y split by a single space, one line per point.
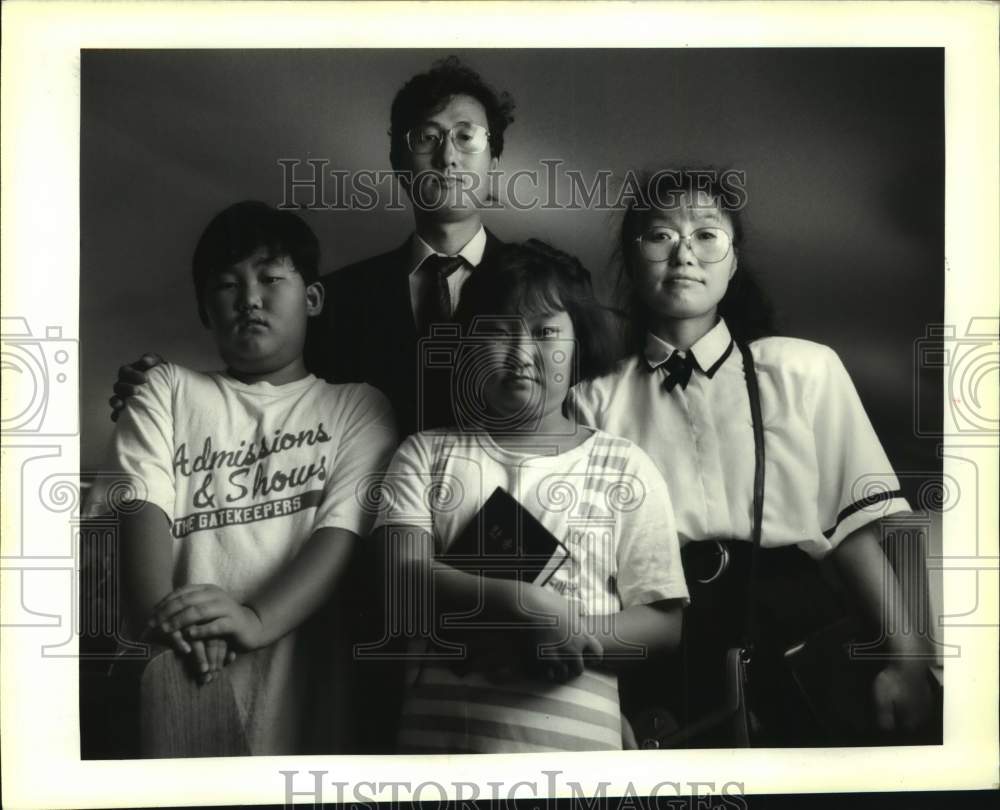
455 714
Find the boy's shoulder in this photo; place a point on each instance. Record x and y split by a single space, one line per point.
356 394
175 372
355 409
169 375
360 397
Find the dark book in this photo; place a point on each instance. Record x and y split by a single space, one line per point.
505 540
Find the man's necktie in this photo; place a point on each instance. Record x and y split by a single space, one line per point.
435 297
678 370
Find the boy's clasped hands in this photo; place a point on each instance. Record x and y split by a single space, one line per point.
208 626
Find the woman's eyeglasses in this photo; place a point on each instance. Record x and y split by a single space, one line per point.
428 138
707 244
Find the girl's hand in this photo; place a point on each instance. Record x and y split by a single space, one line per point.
496 666
902 697
207 611
558 651
492 655
563 657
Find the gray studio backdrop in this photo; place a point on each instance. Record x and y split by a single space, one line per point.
843 152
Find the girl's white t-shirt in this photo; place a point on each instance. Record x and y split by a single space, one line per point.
605 500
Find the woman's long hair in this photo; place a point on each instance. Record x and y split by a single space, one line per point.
747 311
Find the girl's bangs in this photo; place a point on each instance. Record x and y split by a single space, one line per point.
535 296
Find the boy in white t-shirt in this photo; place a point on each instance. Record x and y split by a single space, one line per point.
247 479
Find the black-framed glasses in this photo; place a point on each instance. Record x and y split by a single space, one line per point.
707 244
427 138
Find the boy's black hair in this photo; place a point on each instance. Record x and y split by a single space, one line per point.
241 230
745 308
532 278
426 93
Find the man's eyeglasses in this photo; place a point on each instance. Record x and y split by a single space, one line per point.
428 138
707 244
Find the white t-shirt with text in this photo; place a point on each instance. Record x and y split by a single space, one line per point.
246 474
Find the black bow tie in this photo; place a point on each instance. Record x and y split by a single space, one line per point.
678 370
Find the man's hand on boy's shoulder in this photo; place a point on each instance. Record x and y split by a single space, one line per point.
130 379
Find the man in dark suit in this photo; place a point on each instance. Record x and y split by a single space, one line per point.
447 135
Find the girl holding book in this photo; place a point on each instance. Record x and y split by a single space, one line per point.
500 664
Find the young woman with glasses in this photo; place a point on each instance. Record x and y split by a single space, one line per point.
698 327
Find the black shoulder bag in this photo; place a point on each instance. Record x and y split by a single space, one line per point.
724 720
806 689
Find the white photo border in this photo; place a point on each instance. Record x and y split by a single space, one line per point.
40 260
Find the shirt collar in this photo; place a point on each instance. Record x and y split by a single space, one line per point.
472 252
709 352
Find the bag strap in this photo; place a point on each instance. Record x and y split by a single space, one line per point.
753 391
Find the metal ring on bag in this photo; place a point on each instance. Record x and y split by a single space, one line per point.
723 563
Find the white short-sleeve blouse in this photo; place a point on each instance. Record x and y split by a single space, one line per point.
826 473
